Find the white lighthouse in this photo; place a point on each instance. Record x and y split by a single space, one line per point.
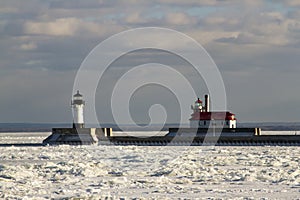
78 106
78 134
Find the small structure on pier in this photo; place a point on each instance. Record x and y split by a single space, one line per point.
203 117
78 134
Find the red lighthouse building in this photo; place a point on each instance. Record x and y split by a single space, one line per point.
202 117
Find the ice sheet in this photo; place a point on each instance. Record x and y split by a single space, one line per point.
148 172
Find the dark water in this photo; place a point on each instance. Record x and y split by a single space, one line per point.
28 127
273 126
46 127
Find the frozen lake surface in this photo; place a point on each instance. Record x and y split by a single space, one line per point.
146 172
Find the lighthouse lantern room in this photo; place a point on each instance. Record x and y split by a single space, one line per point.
78 106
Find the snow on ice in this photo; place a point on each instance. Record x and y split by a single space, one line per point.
147 172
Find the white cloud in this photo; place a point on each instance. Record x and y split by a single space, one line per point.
292 2
205 37
135 18
8 10
28 46
68 27
268 28
221 21
195 2
177 18
59 27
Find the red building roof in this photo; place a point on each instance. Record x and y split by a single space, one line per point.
213 116
198 101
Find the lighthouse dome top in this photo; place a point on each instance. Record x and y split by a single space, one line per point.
78 99
198 101
77 94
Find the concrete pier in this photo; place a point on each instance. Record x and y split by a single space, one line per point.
77 136
204 136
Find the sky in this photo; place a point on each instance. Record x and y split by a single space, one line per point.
255 45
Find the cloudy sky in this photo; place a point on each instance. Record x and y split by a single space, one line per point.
255 44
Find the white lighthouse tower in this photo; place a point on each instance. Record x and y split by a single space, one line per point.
78 106
78 134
